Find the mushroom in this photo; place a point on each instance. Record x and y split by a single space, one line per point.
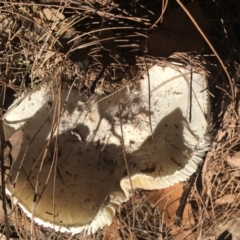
81 157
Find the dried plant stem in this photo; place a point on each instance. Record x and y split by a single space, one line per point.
210 45
125 159
149 98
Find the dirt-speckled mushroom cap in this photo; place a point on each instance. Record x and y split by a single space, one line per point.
70 174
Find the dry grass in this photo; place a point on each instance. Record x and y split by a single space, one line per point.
33 47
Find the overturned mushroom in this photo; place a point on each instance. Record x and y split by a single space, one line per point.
71 174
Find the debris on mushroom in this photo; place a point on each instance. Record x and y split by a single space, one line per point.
79 157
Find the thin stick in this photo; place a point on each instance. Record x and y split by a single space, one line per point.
183 199
164 7
210 45
149 98
125 159
55 155
190 96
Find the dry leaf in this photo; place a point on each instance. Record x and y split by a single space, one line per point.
53 14
234 160
111 232
167 202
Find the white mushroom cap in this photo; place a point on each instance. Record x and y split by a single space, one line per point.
78 173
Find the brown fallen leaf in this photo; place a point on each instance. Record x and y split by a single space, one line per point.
167 202
111 232
52 14
234 160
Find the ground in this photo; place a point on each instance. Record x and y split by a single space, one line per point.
41 40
